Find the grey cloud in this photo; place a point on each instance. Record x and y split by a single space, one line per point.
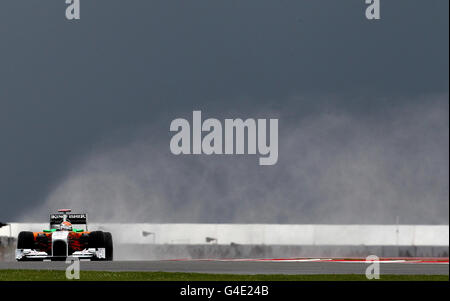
130 65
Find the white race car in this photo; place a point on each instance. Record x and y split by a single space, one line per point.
62 240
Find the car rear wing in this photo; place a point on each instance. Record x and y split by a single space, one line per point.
74 218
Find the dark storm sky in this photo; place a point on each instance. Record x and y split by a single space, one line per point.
126 64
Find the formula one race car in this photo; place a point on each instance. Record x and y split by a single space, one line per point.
62 240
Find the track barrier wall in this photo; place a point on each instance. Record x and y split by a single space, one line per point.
168 241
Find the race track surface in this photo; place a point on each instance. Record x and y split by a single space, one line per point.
305 267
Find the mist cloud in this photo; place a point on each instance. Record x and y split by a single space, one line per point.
335 166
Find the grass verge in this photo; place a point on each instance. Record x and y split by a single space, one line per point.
49 275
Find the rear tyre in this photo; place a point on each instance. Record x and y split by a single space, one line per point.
108 246
25 240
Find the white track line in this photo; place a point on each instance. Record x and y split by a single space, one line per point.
312 260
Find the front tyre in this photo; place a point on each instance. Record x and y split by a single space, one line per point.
96 239
108 246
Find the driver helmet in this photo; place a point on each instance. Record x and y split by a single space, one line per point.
66 226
